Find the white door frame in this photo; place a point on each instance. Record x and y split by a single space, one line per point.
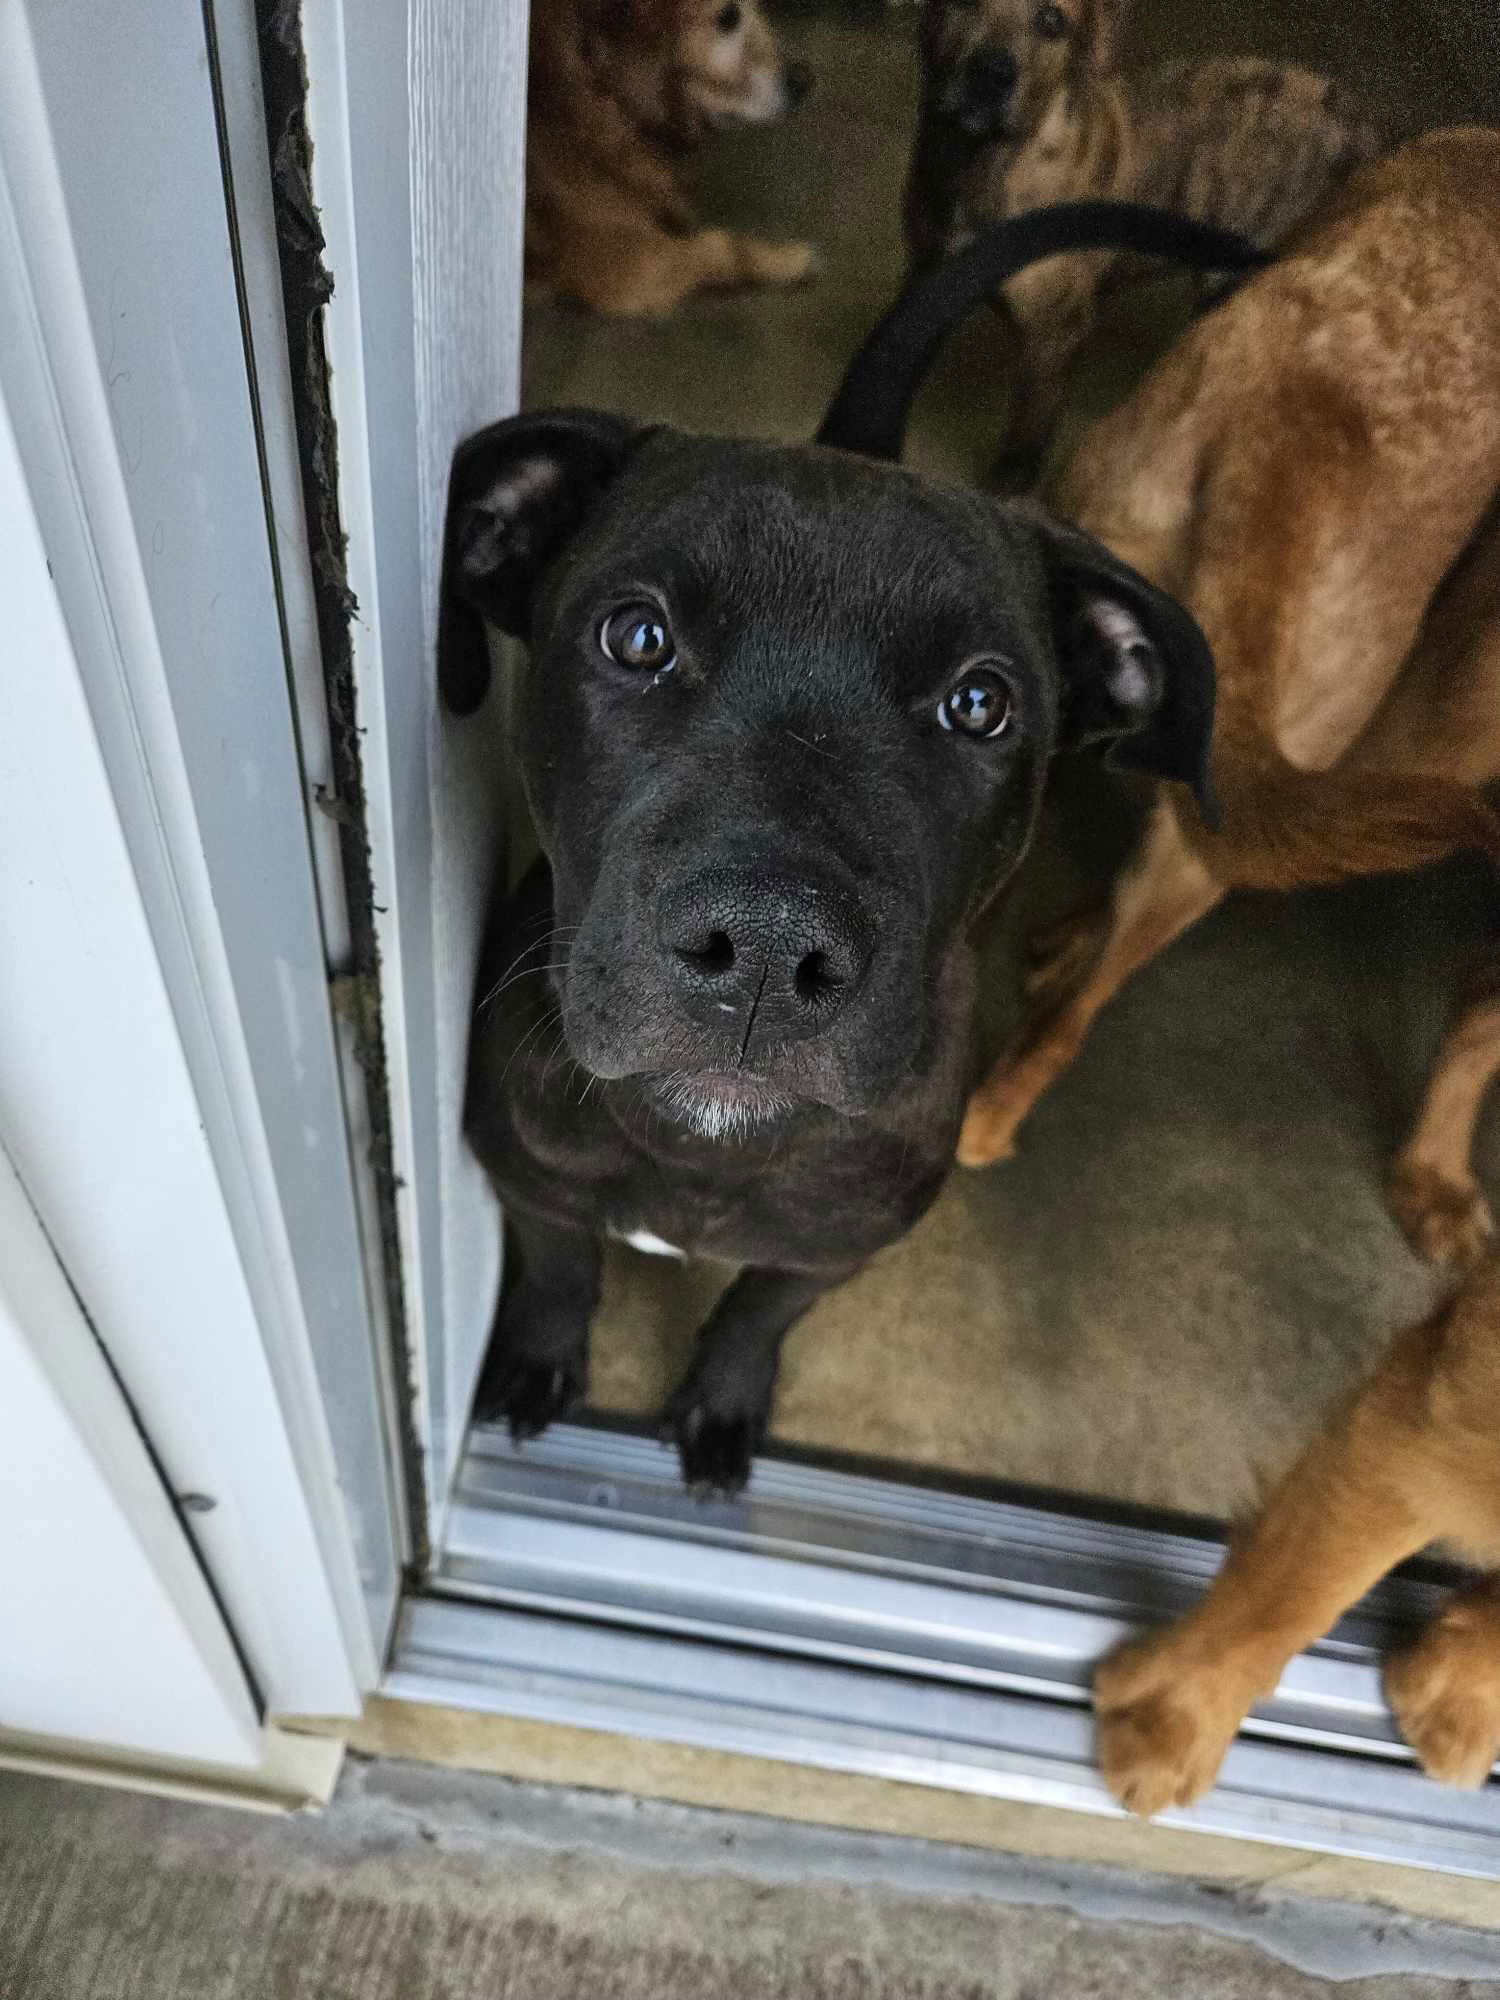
222 1265
416 112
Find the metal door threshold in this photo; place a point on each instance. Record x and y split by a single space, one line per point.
870 1625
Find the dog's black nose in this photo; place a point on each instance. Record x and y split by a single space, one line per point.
982 91
788 950
797 80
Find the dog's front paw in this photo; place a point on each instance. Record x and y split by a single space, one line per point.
1445 1692
991 1122
716 1449
1164 1722
1445 1219
779 263
527 1391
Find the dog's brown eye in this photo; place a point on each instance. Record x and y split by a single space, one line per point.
980 705
637 636
728 18
1051 23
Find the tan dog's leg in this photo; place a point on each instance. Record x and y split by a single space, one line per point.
1163 890
1410 1460
1432 1189
647 274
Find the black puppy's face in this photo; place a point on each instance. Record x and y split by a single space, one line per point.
782 735
785 731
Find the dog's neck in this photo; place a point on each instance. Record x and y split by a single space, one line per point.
1082 140
596 87
646 90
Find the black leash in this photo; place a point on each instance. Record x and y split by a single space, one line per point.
869 411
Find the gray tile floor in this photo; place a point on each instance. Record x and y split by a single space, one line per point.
1197 1205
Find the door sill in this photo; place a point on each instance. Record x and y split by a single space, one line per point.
875 1626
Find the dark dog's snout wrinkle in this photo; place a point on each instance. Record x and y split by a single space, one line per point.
783 951
797 80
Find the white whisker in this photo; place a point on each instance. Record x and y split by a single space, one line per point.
682 1095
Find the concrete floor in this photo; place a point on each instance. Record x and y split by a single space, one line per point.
423 1885
1198 1203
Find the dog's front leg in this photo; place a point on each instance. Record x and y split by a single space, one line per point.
1408 1460
647 273
1163 890
1433 1190
536 1368
929 204
719 1416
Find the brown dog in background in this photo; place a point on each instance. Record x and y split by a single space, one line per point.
1315 472
1023 103
618 91
1412 1458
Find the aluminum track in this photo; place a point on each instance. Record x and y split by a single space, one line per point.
899 1630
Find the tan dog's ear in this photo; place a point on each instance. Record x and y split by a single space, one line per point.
517 494
1137 671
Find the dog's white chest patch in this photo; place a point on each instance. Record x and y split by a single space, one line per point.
643 1239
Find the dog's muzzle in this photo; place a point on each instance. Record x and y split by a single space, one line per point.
979 97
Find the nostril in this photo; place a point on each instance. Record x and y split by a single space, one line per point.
713 957
816 978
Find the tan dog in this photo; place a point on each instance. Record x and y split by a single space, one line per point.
1314 472
618 91
1413 1458
1023 103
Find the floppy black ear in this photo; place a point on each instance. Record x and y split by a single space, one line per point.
517 493
1137 670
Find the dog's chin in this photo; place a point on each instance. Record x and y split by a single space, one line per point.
980 129
718 1104
981 125
764 104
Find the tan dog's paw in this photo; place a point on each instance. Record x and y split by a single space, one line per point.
1445 1220
990 1125
1445 1691
1165 1719
778 263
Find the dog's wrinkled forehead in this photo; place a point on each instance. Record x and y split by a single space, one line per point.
795 547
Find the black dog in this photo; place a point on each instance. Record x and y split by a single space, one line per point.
785 731
784 735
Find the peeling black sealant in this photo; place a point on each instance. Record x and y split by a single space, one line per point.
307 285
